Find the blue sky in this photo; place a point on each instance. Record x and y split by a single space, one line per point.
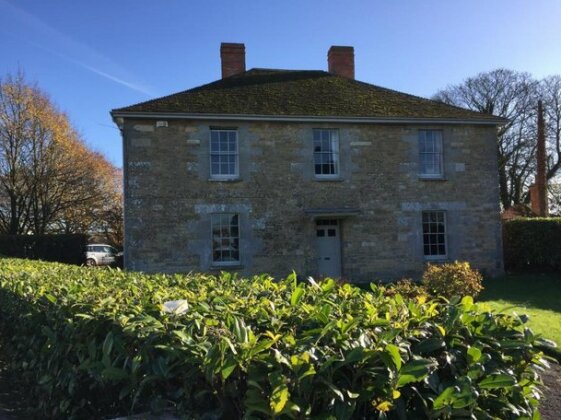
92 56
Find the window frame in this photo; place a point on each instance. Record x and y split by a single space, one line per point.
424 175
219 153
435 257
336 153
215 263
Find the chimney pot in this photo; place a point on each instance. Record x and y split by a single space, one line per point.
341 61
232 57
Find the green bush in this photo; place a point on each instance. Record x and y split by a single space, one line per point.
95 343
532 244
453 279
61 248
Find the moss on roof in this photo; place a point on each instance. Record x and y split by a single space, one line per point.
300 93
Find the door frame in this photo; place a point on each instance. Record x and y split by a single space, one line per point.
339 235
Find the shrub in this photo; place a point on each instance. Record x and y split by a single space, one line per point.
94 343
61 248
454 279
532 244
407 288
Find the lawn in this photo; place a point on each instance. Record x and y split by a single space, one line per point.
536 295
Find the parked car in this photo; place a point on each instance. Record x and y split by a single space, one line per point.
101 254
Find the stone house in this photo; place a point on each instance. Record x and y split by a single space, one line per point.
279 170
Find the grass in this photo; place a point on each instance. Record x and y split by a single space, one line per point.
536 295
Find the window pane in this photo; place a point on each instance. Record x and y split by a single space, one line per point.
231 144
422 145
332 147
317 135
224 219
317 159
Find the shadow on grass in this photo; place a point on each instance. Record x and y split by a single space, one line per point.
542 291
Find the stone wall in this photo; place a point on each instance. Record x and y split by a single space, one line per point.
169 197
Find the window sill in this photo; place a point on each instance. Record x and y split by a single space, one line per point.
226 267
238 179
326 179
432 178
436 258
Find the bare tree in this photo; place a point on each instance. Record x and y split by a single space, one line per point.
512 95
550 92
18 113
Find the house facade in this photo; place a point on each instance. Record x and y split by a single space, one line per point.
270 171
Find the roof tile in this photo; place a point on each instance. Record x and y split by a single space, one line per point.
267 92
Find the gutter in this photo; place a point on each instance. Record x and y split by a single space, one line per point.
118 117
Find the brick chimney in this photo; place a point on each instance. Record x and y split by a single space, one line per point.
535 199
341 61
538 191
233 59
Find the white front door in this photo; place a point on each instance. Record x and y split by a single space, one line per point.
329 248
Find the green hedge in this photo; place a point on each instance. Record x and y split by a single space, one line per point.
94 343
60 248
532 244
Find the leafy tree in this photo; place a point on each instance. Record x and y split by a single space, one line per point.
49 180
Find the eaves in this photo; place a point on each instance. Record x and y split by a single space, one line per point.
305 118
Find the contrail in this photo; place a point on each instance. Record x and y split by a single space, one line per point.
114 78
73 51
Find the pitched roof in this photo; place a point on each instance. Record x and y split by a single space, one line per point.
266 92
